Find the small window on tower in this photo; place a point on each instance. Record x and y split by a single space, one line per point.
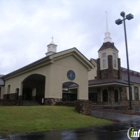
115 63
114 55
103 55
104 63
114 60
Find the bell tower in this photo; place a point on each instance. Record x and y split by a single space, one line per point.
108 62
52 48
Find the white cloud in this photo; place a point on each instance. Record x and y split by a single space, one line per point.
26 27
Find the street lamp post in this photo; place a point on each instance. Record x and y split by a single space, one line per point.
118 22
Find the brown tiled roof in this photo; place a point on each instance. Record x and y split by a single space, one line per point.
107 45
134 76
133 79
94 60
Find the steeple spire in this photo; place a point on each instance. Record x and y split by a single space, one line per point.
107 33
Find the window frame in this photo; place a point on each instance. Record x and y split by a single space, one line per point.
114 55
136 93
104 55
114 63
104 63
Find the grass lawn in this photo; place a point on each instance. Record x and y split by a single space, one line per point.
26 119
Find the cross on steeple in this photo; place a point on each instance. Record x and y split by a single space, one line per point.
52 39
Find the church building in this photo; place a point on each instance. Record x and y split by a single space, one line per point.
69 76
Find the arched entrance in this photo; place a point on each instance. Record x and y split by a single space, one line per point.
69 91
116 95
33 89
105 95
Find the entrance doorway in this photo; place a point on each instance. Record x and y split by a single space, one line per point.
105 95
33 89
69 91
27 94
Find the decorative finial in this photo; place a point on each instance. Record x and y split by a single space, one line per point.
52 39
107 33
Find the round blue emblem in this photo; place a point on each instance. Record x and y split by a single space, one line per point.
71 75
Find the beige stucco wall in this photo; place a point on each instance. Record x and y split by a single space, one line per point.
108 52
58 76
55 75
92 74
16 82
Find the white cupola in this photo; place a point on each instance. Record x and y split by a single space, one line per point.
52 48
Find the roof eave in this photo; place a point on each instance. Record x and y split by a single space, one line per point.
108 83
34 65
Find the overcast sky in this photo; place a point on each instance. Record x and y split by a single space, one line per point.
26 28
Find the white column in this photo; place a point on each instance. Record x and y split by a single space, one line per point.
34 92
133 93
20 89
127 93
47 88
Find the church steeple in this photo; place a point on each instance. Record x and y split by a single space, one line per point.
108 62
51 48
107 33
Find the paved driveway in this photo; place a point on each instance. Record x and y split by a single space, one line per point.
116 116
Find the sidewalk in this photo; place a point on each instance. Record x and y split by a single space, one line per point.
115 116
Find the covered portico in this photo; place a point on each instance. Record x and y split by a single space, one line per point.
108 91
33 88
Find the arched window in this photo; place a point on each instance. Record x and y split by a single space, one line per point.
114 55
115 65
103 55
105 95
114 60
104 63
